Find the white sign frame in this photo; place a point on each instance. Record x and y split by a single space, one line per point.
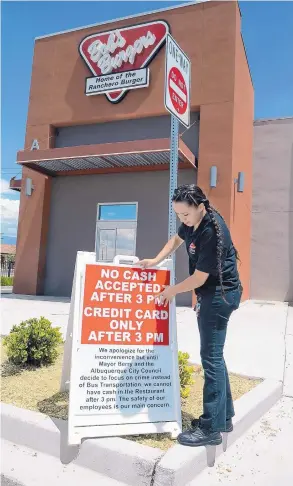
169 64
70 368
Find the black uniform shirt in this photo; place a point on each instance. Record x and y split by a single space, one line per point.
201 246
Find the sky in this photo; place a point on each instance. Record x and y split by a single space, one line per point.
268 37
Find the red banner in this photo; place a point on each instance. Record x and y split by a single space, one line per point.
121 307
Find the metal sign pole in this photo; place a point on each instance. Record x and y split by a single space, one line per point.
173 181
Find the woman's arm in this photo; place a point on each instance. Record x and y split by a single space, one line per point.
196 280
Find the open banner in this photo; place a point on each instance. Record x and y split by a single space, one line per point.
124 361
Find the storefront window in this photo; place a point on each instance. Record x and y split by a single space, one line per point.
117 212
116 230
125 241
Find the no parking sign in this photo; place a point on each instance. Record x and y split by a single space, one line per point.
177 82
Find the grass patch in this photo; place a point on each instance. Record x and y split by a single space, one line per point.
38 389
34 388
6 281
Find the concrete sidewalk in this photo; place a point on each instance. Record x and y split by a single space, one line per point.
17 308
255 343
288 373
262 457
30 468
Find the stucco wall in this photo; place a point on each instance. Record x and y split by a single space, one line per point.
73 220
127 130
272 213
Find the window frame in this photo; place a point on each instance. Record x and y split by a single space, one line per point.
114 224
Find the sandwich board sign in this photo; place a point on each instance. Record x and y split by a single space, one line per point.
123 376
177 82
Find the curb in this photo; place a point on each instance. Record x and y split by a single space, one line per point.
181 464
117 458
127 461
288 369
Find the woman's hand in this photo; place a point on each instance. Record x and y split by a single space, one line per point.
147 263
167 295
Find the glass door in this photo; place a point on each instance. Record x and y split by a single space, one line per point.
116 230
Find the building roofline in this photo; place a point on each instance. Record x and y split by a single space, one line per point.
187 4
267 120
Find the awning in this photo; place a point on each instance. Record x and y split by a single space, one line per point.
105 158
15 184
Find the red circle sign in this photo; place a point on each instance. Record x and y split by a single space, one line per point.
177 90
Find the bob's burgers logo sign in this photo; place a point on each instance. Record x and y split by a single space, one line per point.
118 58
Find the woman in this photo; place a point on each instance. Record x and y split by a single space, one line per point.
214 276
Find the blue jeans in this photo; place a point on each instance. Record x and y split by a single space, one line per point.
213 316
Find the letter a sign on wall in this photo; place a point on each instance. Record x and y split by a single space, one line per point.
124 376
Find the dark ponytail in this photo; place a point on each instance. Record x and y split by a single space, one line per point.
194 196
220 244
